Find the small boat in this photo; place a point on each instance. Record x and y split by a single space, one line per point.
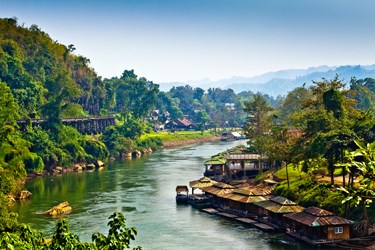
182 195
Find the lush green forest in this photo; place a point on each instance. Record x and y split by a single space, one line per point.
326 129
321 129
41 78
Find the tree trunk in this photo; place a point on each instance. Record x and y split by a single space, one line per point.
365 213
287 174
343 177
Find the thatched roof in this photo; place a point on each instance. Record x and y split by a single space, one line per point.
280 205
202 183
216 190
243 198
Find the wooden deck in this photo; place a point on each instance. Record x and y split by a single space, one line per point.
227 215
264 227
236 217
246 220
316 243
210 210
353 243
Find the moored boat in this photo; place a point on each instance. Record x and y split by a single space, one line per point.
182 195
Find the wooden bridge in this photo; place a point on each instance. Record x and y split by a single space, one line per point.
84 125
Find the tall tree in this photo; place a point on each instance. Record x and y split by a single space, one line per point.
327 127
258 123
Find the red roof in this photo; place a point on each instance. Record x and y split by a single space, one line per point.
185 122
317 211
316 217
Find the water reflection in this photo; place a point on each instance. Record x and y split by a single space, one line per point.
144 190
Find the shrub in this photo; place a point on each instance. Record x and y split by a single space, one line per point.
96 149
116 142
43 145
33 163
150 142
76 151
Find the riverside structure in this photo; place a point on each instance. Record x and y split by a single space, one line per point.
244 200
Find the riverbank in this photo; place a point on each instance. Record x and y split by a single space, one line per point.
169 140
170 144
178 138
144 190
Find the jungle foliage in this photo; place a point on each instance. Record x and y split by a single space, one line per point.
40 78
23 237
314 130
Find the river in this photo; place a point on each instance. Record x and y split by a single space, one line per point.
144 190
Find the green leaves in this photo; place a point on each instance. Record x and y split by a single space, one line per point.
258 123
361 162
119 236
23 237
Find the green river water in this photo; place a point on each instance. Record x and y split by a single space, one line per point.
144 190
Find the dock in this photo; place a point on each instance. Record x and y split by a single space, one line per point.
246 220
227 215
210 210
264 227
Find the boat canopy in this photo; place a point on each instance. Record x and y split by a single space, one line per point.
181 189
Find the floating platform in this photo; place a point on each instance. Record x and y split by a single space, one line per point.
210 210
246 220
264 227
227 215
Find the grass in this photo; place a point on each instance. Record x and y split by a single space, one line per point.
177 136
293 172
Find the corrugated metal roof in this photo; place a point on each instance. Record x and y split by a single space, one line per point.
312 220
184 122
216 190
253 191
223 185
243 191
283 201
201 183
243 198
279 208
317 211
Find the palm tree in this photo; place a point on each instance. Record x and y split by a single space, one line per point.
361 163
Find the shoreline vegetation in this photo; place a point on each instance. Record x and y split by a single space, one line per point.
169 140
317 129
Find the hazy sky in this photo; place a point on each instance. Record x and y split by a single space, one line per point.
180 40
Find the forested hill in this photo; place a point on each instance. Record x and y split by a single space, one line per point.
44 74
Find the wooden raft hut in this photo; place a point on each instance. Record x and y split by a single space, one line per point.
317 226
201 183
273 209
200 200
241 201
215 167
232 199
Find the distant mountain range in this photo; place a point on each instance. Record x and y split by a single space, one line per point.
280 82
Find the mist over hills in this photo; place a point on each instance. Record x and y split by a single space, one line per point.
282 81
